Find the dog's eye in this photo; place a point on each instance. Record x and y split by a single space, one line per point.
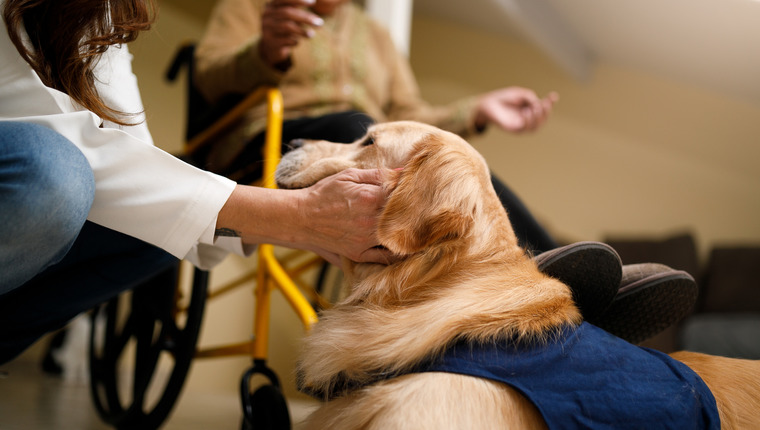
369 140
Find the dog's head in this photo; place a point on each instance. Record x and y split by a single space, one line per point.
462 273
437 183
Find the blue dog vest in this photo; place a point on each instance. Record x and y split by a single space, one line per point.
587 378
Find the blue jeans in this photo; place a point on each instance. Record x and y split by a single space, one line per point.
53 263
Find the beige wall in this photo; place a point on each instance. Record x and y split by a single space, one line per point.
625 153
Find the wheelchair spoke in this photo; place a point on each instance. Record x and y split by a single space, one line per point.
150 326
146 361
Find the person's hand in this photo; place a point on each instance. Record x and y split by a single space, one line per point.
514 109
342 212
283 24
336 217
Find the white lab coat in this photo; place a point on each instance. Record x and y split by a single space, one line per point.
140 190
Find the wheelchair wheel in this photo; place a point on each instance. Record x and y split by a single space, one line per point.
141 348
266 408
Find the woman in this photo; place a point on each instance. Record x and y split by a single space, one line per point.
89 207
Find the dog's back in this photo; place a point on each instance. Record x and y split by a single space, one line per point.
430 400
735 383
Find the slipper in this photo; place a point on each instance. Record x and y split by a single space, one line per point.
592 270
652 297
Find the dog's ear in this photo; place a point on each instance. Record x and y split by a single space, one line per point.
432 199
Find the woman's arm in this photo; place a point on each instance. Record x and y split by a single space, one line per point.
335 217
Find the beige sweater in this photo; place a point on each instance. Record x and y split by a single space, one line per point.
350 64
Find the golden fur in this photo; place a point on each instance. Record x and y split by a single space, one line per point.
461 275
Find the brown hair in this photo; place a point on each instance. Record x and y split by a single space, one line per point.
67 37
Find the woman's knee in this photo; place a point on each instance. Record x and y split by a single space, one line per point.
46 184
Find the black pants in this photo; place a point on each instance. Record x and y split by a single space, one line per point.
100 265
346 127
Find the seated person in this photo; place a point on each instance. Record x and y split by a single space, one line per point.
339 71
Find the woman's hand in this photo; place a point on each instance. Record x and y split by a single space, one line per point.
341 213
335 217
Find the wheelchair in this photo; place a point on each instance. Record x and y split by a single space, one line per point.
157 324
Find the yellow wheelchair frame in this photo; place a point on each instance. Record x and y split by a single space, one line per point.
271 273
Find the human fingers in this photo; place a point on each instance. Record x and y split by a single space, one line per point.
292 19
297 3
364 189
330 257
511 108
360 189
541 111
517 96
537 112
378 255
342 210
283 25
504 115
531 116
363 176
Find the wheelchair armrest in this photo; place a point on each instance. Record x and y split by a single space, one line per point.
206 122
225 121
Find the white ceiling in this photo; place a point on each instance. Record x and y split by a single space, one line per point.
711 43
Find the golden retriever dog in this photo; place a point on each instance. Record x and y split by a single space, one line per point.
462 284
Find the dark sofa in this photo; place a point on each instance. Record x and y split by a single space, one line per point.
726 318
